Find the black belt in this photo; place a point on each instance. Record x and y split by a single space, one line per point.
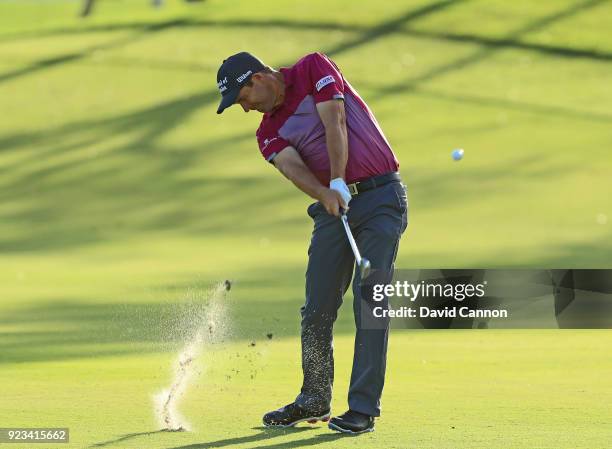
371 183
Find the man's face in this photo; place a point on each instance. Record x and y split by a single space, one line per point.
257 95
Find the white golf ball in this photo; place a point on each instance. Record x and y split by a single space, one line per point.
457 154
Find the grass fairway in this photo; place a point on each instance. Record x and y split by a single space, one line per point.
123 196
501 389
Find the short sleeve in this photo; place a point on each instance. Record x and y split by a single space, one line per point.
325 77
270 143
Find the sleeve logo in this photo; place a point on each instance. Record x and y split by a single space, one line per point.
324 82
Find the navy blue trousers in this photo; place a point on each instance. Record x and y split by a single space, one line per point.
377 218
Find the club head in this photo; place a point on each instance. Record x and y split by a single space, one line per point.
364 268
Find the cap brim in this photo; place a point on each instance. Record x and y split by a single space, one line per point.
227 100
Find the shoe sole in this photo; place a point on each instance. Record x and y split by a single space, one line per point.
333 426
309 420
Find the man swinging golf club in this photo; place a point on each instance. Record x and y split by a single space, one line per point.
318 132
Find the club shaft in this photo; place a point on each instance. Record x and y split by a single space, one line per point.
351 239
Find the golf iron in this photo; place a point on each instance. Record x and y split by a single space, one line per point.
362 262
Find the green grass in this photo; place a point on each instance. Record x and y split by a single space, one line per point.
122 193
502 389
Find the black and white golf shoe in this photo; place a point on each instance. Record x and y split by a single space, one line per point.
291 414
352 422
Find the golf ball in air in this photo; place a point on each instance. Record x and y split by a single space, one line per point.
457 154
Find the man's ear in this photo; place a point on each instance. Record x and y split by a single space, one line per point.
257 76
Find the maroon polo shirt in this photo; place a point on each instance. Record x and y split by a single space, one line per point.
314 79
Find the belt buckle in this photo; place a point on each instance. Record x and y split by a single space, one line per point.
353 188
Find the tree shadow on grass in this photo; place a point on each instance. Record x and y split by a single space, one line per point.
313 441
69 196
366 34
486 51
72 330
68 199
126 437
521 106
263 435
139 31
47 63
67 329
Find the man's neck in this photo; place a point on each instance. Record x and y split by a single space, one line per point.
280 89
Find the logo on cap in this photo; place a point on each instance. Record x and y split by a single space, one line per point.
222 85
242 77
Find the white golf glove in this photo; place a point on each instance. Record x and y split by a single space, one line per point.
340 186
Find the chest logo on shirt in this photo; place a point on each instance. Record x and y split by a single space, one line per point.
268 142
324 82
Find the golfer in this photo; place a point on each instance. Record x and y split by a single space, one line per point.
319 133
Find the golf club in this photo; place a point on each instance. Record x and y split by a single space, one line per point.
362 262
